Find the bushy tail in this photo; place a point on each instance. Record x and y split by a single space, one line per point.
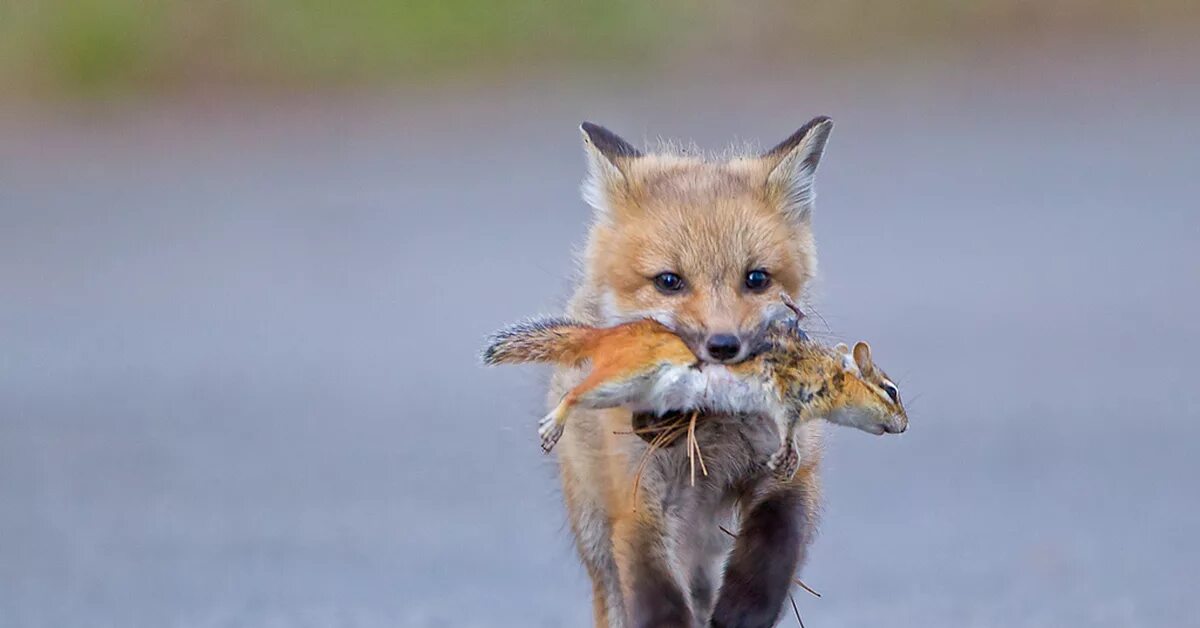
552 340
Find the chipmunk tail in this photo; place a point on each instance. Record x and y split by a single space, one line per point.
544 340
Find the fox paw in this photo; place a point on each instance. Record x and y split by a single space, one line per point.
784 463
550 431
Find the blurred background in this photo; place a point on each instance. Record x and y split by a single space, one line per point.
249 250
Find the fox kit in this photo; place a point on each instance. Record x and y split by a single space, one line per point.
644 366
702 246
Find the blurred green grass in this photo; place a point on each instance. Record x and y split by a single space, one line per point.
89 47
98 46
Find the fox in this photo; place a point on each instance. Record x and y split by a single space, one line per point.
645 366
701 245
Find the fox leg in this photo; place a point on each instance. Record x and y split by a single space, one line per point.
622 537
772 543
653 595
583 489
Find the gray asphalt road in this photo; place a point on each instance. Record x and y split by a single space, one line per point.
238 382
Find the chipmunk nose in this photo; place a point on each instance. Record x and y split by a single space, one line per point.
723 346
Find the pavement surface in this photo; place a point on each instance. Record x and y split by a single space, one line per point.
238 376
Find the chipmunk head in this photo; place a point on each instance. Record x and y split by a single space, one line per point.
872 401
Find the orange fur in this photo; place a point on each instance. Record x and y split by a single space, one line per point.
710 221
809 380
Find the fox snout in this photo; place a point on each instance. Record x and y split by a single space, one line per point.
722 347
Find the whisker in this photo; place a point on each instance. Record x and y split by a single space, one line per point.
795 580
795 609
809 308
821 334
801 584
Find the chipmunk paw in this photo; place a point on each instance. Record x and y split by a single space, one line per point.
785 462
550 430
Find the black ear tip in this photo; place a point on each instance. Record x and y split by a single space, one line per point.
821 124
607 142
596 133
819 128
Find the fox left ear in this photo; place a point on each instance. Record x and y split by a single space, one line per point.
793 166
862 357
608 157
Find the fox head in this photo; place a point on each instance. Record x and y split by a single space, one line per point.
702 246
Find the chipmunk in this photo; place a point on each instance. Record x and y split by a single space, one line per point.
643 365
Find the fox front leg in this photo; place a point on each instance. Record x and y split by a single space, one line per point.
772 542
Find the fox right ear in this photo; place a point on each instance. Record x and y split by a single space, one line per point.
793 166
608 158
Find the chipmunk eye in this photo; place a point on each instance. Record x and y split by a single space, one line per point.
891 391
758 279
668 282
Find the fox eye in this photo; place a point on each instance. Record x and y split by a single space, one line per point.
668 282
758 280
891 391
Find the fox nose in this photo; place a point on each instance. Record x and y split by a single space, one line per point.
723 346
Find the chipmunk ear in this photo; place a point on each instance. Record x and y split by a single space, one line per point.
793 166
848 364
862 356
608 158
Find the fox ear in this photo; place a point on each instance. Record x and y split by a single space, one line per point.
862 356
608 157
793 165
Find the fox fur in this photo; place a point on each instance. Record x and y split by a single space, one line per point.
657 557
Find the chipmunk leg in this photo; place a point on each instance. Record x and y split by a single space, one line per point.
550 428
786 460
791 304
600 389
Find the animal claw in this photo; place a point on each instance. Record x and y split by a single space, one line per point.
550 430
